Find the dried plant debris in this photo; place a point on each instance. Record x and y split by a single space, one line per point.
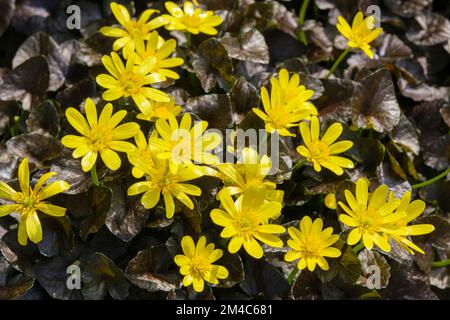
203 149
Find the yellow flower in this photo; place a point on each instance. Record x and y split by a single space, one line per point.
413 210
130 81
196 263
292 90
99 135
158 49
311 244
130 27
143 151
250 171
28 202
371 219
194 20
161 180
160 110
321 152
246 220
361 33
286 105
183 143
330 201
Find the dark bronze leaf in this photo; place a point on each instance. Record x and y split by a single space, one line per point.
248 46
125 219
374 104
27 83
212 65
100 202
37 147
101 275
370 260
12 286
148 270
434 29
207 107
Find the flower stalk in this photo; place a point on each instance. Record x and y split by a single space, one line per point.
301 20
337 62
432 180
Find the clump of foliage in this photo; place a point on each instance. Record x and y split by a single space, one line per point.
108 161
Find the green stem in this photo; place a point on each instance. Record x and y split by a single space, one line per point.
94 176
299 165
358 248
188 39
432 180
292 275
301 20
438 264
337 62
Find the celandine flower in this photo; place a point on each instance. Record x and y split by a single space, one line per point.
292 90
160 50
311 244
143 151
246 220
251 170
371 219
100 135
185 143
321 152
196 263
29 201
286 105
160 110
162 181
191 19
131 81
130 27
413 210
361 33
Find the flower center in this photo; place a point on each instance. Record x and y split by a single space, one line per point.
100 136
319 151
134 26
29 202
200 265
370 218
131 83
192 21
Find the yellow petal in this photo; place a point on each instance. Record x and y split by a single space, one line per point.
52 189
77 121
110 159
253 248
24 176
34 229
22 236
91 112
169 204
6 192
121 13
52 210
7 209
150 199
235 244
125 131
88 160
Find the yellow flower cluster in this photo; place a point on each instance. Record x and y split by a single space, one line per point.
376 218
147 55
286 107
